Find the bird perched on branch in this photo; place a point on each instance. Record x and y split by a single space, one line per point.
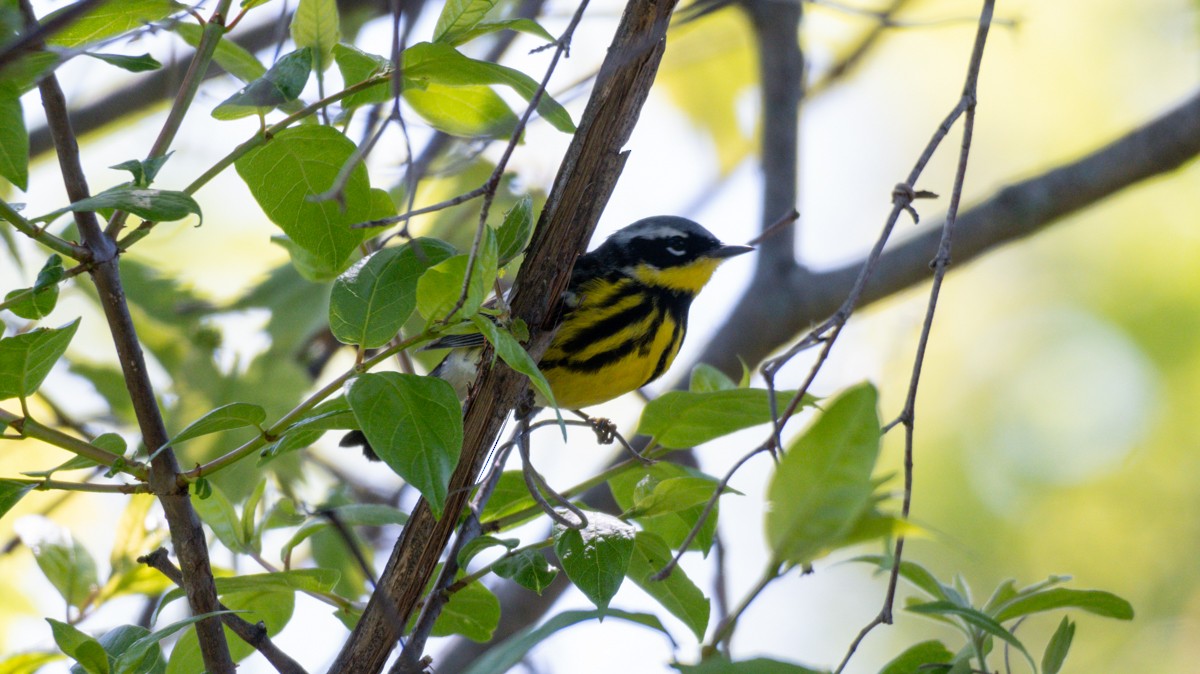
624 315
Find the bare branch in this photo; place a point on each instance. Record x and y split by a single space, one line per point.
186 532
255 635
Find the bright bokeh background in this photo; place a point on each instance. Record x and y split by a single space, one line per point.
1056 419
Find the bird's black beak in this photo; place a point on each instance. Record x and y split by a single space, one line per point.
727 251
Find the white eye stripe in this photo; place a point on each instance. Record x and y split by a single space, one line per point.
675 251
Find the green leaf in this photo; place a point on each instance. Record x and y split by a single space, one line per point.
296 580
415 425
283 83
441 64
250 515
83 648
224 418
229 55
974 618
513 234
70 569
12 491
39 300
14 138
515 355
316 25
356 66
510 652
722 665
510 496
823 483
527 568
480 543
118 641
596 557
26 359
24 73
110 19
217 512
706 379
272 608
912 659
134 64
676 593
32 304
440 288
332 414
146 203
673 495
473 612
143 170
1060 644
682 419
300 162
672 527
459 16
371 301
462 111
1098 602
528 26
352 514
131 658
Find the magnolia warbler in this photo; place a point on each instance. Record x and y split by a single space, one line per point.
624 315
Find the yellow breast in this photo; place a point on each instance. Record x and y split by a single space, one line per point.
619 338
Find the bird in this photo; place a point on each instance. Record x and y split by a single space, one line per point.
623 318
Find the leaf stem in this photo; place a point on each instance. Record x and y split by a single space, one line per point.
486 569
251 143
214 30
47 484
54 243
30 428
276 429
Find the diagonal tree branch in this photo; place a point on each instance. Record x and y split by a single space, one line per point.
801 298
581 189
254 635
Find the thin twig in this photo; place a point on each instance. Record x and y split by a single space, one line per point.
708 509
31 428
42 484
276 429
54 243
561 46
214 30
940 264
536 484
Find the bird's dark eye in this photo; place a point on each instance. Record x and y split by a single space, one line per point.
676 246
